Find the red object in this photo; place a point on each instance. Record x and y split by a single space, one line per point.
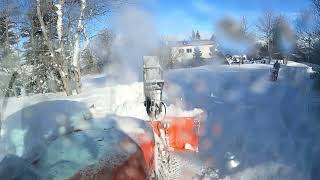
147 146
135 165
139 165
183 132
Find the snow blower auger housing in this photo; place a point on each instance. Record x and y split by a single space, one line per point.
176 133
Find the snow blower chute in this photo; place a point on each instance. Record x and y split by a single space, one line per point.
175 133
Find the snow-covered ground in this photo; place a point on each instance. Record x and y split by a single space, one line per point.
270 128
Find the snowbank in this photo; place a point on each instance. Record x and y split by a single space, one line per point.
27 131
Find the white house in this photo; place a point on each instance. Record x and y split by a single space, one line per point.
184 50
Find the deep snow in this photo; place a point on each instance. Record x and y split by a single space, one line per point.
264 124
271 128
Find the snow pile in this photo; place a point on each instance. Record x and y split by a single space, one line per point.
269 171
122 100
13 167
26 132
125 100
296 64
176 111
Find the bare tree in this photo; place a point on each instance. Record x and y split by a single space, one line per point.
72 18
265 25
76 51
82 15
167 56
60 65
306 31
234 36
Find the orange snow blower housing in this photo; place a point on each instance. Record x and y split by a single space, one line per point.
183 132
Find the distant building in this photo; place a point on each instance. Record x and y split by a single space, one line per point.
184 50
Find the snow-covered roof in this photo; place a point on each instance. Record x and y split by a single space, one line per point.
191 43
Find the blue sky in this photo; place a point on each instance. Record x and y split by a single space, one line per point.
179 17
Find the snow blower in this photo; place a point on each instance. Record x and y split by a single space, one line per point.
274 74
178 134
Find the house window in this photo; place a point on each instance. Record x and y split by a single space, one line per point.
189 50
181 51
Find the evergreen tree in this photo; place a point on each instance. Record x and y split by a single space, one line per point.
213 38
8 37
198 37
45 77
8 56
197 54
197 57
193 36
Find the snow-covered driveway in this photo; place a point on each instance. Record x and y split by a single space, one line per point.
266 125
